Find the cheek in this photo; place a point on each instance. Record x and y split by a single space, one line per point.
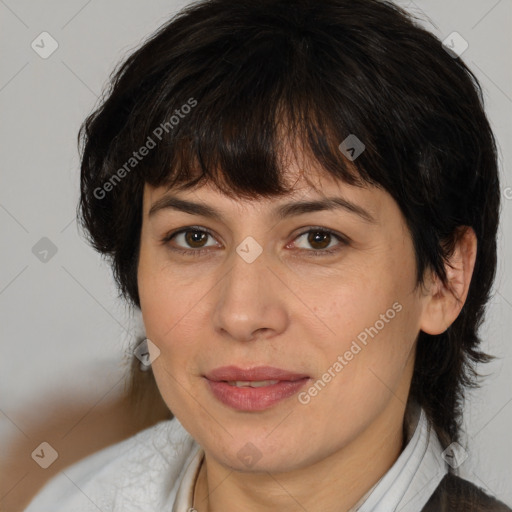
164 298
373 330
175 313
362 371
170 321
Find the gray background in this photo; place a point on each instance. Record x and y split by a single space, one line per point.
64 334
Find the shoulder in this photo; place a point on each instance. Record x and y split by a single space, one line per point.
454 494
141 471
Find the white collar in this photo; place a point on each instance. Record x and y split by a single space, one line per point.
415 475
406 487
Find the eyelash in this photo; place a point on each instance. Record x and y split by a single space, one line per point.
344 241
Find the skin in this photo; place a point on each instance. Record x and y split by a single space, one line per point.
296 311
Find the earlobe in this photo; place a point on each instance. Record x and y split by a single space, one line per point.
444 303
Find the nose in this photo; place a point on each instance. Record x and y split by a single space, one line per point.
250 302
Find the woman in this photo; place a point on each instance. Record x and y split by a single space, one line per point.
302 200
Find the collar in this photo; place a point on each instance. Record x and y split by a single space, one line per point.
417 472
185 494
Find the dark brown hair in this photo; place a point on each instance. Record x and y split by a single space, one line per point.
322 70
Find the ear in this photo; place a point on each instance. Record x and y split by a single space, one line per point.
442 304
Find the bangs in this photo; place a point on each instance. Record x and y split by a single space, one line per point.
248 154
238 118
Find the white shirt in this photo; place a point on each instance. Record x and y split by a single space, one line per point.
156 470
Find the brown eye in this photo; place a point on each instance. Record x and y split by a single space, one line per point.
195 238
320 241
190 241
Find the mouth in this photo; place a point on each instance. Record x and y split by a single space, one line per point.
252 383
253 389
254 374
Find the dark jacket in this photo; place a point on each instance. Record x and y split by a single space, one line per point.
455 494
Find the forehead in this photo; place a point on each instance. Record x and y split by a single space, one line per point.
303 184
308 193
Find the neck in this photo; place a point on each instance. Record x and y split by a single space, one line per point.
334 484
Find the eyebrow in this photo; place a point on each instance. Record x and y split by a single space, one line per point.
282 211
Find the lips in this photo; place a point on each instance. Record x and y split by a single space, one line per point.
253 389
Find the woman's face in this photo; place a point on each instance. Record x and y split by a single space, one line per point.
339 319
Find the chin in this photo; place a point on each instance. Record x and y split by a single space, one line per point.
251 456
